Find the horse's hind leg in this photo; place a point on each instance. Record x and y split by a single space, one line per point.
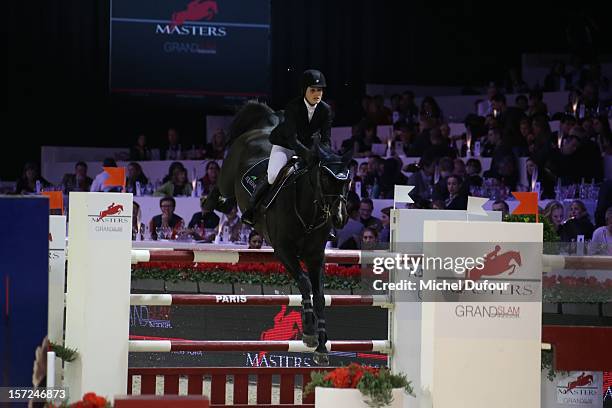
316 273
289 260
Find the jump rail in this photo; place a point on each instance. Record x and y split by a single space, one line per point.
232 256
166 346
331 256
255 300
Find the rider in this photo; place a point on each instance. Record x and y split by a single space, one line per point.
305 116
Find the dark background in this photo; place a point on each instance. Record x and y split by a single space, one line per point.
56 82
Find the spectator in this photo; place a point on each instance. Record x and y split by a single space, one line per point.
485 108
604 200
446 166
422 140
459 167
365 213
171 170
438 146
501 205
353 226
135 175
385 220
140 151
578 223
409 112
216 148
566 124
430 108
422 180
210 178
557 79
352 143
601 244
514 82
79 181
536 104
138 226
457 200
166 220
255 240
178 186
98 183
554 213
473 168
367 241
567 161
371 182
541 149
173 150
203 221
522 103
588 156
542 176
603 135
392 175
505 171
232 221
509 118
27 182
364 143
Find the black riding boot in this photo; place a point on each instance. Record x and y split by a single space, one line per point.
260 191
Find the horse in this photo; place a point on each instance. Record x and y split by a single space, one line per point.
580 381
297 222
496 265
111 210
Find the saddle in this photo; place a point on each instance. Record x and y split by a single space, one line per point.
286 177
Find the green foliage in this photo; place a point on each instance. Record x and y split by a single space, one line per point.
226 277
378 388
550 235
65 353
317 379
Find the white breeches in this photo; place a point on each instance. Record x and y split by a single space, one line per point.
279 156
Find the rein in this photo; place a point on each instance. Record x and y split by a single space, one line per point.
319 204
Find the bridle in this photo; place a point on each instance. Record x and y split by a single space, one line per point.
322 204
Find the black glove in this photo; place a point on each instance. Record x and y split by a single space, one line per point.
302 151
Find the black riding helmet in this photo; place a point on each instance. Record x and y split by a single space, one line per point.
314 78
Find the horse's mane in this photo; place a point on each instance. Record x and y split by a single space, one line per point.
253 115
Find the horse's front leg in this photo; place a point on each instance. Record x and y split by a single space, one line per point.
316 274
512 271
291 263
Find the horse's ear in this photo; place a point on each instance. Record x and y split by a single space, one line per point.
347 156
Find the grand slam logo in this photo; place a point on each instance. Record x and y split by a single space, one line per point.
195 11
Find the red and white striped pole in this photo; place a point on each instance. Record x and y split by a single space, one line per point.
232 256
254 300
296 346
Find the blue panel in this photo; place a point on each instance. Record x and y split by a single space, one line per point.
24 277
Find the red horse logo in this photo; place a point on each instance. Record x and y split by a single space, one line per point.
111 210
496 264
287 326
581 381
196 10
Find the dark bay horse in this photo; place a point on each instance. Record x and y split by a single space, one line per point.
298 222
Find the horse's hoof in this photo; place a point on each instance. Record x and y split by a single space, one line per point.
310 340
321 359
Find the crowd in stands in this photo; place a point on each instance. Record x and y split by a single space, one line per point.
560 164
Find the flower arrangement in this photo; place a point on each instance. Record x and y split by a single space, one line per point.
556 289
274 274
90 400
375 384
